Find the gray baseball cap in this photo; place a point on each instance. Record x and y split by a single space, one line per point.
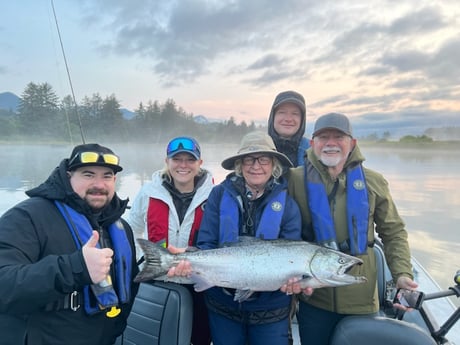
333 121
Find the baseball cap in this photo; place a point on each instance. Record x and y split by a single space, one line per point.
333 121
93 154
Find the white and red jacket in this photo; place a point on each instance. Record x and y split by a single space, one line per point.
154 215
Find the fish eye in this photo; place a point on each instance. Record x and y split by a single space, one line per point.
341 261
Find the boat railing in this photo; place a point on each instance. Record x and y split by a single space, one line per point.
426 316
440 333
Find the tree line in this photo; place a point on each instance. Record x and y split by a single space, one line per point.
42 116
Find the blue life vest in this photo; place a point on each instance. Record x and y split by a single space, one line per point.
81 231
269 224
303 146
357 209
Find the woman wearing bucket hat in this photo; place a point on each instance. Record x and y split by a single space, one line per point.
169 209
252 201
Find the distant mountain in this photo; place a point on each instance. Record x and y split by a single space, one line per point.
9 101
127 114
201 119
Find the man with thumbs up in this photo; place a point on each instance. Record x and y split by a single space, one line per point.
67 258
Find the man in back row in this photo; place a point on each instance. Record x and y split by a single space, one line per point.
286 125
341 203
67 258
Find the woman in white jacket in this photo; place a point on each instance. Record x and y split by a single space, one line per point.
169 210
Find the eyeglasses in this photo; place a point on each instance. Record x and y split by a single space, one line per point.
95 157
327 137
250 160
183 143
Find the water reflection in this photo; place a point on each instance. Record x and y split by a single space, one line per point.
423 184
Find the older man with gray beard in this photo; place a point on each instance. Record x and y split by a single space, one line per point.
341 203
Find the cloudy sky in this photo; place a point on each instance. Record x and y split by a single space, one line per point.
385 60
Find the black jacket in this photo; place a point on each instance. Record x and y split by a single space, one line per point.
40 263
290 147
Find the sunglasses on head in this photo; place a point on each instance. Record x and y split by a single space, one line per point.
182 143
95 157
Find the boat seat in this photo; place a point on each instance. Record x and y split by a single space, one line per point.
361 330
161 315
383 273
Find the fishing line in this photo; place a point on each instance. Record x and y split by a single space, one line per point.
68 75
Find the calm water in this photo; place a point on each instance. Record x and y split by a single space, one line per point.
424 184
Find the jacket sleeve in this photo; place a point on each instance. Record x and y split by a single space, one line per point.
208 235
29 277
138 214
389 226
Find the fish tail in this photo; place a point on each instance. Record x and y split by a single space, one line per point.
156 260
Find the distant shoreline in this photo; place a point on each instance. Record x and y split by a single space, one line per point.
448 144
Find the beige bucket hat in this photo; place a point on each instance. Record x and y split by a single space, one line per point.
256 142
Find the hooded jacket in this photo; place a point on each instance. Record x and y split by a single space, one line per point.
383 216
294 147
178 232
40 264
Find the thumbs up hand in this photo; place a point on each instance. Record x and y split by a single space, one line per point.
97 260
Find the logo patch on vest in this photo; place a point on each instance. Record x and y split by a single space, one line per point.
276 206
358 184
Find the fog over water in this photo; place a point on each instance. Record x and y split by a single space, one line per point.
424 185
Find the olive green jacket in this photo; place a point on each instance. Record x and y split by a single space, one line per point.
383 218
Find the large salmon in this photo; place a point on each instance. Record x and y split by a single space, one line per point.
255 265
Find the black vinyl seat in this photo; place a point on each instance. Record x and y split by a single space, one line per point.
383 272
361 330
161 315
381 330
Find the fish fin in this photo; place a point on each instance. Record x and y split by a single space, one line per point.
242 295
200 284
155 260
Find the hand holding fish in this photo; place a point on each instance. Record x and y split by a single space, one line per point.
97 260
294 287
176 250
183 269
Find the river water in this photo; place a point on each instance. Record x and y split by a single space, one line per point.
423 184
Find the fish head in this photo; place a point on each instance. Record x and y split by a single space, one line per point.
329 268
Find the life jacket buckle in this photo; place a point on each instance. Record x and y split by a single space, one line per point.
74 304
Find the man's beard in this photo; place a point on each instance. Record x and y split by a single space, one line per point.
331 161
96 192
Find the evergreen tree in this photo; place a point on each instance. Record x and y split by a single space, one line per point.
41 116
39 112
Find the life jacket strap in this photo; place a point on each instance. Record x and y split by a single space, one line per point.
72 301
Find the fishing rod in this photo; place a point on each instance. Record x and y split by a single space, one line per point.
68 77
